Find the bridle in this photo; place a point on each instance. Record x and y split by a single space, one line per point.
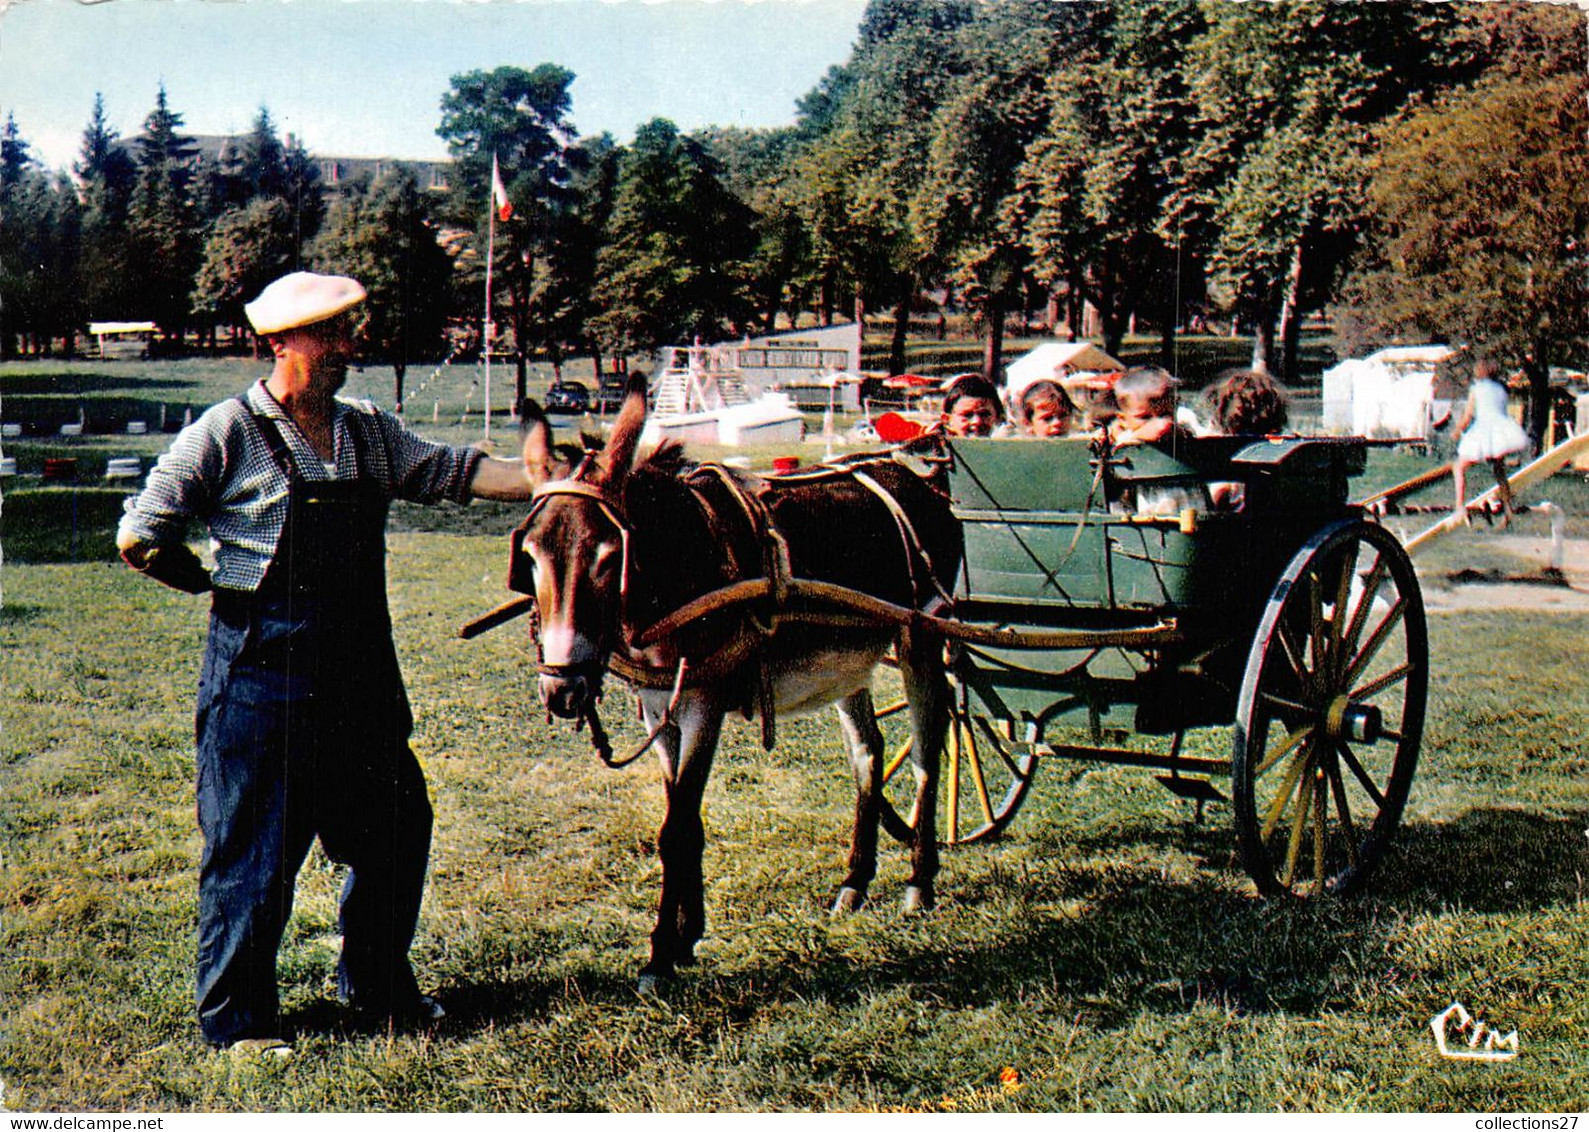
593 669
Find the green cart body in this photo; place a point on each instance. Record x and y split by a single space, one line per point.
1291 615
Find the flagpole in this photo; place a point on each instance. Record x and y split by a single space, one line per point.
491 250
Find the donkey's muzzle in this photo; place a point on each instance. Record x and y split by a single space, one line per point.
565 696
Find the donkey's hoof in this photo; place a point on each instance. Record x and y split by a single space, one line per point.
848 900
917 899
649 985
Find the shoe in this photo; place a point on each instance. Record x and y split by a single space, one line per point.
259 1049
417 1014
426 1012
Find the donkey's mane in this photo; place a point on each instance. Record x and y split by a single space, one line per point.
667 459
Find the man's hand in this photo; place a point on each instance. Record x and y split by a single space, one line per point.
175 566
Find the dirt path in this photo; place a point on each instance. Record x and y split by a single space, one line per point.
1444 596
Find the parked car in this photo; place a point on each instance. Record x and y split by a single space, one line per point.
610 396
567 397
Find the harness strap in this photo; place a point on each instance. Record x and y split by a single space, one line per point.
915 554
279 450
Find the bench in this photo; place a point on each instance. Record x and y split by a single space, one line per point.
60 469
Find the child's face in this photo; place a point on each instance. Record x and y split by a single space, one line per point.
971 416
1138 409
1049 418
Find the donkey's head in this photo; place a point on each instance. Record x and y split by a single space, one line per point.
576 541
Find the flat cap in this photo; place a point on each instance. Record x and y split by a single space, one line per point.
302 299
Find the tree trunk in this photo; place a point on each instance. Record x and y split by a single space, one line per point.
860 315
896 348
993 350
1171 317
1291 316
1263 343
521 328
1536 407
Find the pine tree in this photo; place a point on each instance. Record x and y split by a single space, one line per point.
166 237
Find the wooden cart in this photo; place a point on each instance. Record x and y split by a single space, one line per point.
1293 618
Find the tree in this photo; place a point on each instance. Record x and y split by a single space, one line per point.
519 119
106 175
964 213
1288 96
262 164
385 237
565 292
247 248
1480 214
673 263
40 225
873 121
166 238
756 166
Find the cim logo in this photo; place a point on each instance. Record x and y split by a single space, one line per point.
1478 1040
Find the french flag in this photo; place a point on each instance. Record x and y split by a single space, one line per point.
499 193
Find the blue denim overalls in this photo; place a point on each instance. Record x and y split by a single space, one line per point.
303 728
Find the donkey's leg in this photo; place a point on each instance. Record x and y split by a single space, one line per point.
921 665
686 761
865 744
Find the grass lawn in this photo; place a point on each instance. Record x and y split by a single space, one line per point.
1106 949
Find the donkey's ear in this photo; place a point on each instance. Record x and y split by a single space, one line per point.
617 457
536 434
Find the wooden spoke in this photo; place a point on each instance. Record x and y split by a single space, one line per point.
1299 825
1277 807
1379 684
997 745
1343 595
1316 622
892 709
891 768
1283 750
1359 773
1365 605
1343 811
1320 829
1289 705
1292 653
1375 640
977 777
953 832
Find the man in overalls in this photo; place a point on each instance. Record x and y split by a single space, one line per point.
302 720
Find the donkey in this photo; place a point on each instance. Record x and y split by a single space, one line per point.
613 547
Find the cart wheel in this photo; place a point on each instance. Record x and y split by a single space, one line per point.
1331 713
982 779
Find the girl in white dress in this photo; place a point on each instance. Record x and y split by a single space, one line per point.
1488 434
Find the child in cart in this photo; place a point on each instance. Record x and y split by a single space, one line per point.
1046 410
1146 399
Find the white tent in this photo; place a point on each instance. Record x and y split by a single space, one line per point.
1041 362
1388 393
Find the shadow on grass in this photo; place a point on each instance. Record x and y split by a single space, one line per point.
1105 942
73 384
1489 860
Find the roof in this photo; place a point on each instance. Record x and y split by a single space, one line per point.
122 328
1411 355
1040 363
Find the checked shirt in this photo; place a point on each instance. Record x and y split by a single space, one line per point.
220 472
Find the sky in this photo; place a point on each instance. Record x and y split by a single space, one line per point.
364 78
